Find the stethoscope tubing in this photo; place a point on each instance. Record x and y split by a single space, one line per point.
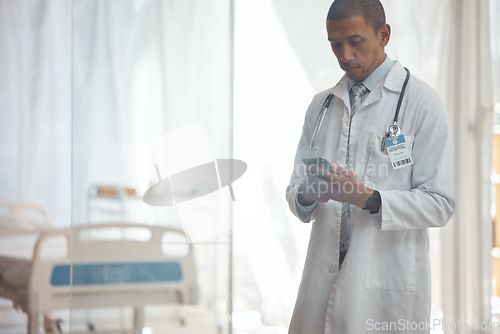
321 118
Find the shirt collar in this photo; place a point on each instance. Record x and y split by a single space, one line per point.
375 77
392 82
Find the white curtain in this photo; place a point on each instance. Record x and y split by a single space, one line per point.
35 105
495 51
467 242
140 69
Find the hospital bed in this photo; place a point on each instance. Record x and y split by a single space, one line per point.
95 266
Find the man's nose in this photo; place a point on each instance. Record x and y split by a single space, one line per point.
346 54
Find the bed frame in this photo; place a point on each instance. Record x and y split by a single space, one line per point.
107 265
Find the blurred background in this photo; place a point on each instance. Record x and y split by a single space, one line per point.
86 87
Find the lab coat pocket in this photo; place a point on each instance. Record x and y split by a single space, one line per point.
379 171
391 260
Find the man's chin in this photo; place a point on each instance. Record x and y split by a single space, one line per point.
355 74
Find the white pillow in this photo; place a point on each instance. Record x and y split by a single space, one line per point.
18 222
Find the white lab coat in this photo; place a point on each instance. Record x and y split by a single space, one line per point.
384 283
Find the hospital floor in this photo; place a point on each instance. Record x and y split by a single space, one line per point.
158 320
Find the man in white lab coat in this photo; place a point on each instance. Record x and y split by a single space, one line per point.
367 266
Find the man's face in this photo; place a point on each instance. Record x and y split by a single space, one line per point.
358 48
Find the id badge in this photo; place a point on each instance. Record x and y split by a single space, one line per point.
399 153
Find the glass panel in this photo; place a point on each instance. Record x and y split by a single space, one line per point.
151 216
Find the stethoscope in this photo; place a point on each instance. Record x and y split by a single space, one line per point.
392 130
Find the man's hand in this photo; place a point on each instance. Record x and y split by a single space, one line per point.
339 185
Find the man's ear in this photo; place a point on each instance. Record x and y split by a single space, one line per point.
384 34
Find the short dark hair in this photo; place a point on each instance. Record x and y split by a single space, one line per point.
371 10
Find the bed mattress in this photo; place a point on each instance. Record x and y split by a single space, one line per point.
16 252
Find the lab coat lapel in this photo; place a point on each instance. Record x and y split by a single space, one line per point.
374 96
341 91
395 78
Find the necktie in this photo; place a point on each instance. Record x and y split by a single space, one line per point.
357 91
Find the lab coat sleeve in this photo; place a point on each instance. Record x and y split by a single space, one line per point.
430 201
305 214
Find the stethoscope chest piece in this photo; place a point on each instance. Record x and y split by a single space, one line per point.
392 131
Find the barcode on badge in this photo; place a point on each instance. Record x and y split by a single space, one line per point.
401 163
